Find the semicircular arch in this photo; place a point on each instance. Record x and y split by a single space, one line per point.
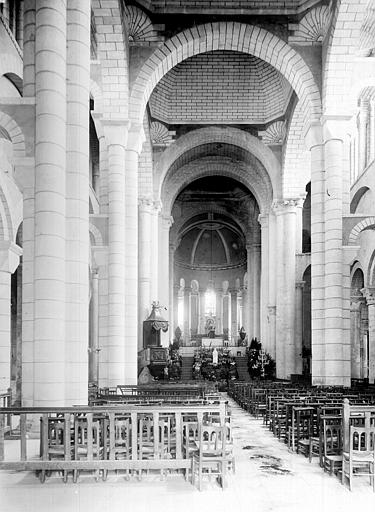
227 135
257 183
233 36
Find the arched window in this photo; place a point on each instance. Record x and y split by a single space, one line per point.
210 302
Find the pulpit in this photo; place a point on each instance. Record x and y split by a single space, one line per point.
152 327
154 355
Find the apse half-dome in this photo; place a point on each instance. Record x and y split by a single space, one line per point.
211 244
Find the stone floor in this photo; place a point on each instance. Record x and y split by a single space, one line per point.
268 478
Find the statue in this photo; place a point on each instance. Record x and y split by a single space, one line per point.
210 327
215 356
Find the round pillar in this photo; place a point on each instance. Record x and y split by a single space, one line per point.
116 136
299 327
50 204
77 199
9 260
144 268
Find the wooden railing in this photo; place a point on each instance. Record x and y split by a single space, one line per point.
64 447
6 401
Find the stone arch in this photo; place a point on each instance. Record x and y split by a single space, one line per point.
233 136
296 162
215 209
15 134
368 223
357 277
96 234
10 208
16 80
248 176
97 94
10 64
371 271
227 36
357 197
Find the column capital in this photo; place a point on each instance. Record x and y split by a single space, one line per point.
356 302
116 131
284 206
145 204
253 247
335 126
369 294
9 256
157 206
263 220
167 220
173 246
300 284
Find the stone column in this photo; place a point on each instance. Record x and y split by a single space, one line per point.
298 341
77 201
50 204
337 339
314 142
219 311
9 260
264 285
201 325
155 211
257 271
103 175
355 336
186 328
116 137
94 345
369 293
250 290
172 325
272 331
286 212
134 147
363 122
234 318
245 308
144 268
272 284
240 308
176 289
19 32
29 48
165 223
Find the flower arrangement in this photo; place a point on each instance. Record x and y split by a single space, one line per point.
204 367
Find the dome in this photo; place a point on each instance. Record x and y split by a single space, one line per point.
211 244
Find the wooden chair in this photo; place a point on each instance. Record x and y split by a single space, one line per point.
148 448
55 442
119 437
89 440
360 460
211 455
332 447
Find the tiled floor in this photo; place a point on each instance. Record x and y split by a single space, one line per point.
268 478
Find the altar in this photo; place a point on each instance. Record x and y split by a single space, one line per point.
212 342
